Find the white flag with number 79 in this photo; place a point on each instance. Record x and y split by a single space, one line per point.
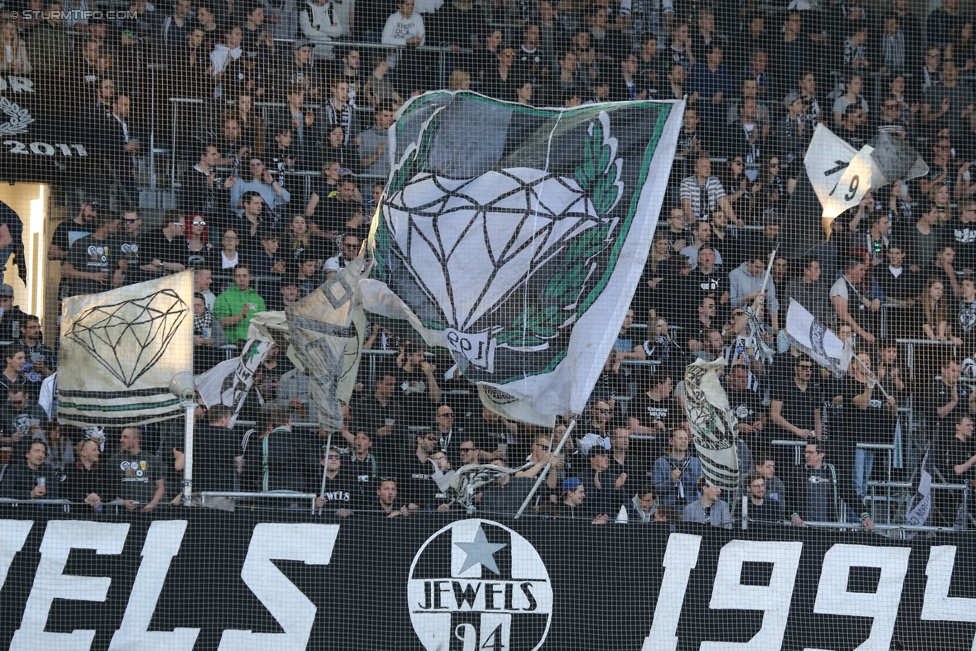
827 161
841 176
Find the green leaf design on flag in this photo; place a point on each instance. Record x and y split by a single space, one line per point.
414 161
598 175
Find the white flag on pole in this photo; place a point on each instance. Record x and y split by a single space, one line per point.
826 161
520 261
816 340
841 175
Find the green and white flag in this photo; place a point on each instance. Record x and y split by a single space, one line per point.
515 237
119 351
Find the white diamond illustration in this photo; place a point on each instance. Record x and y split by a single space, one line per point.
471 243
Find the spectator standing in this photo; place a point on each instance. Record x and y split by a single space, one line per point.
201 192
236 307
90 264
268 186
713 83
956 460
850 305
676 473
373 143
30 479
947 399
702 193
135 477
41 361
745 286
795 411
709 508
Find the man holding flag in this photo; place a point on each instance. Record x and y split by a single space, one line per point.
850 305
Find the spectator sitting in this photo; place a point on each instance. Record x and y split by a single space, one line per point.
604 488
266 260
337 490
759 508
571 502
644 507
813 494
386 498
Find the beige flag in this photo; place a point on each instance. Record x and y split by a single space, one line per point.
119 351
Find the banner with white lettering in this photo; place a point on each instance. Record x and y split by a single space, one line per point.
201 580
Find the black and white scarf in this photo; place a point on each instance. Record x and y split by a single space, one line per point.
203 321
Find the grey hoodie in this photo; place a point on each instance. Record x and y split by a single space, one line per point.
741 283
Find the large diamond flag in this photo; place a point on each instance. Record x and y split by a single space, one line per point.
515 237
121 348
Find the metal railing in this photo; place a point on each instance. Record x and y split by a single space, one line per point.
275 495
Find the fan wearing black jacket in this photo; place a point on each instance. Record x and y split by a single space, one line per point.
84 482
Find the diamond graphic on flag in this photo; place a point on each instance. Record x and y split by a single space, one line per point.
129 338
497 228
471 244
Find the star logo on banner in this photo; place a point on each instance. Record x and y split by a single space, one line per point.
480 552
255 349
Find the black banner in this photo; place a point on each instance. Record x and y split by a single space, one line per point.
44 136
198 579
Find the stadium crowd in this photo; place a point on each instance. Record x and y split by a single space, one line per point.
280 87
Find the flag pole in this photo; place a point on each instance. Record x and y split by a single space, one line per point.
879 385
761 298
542 475
325 468
769 270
